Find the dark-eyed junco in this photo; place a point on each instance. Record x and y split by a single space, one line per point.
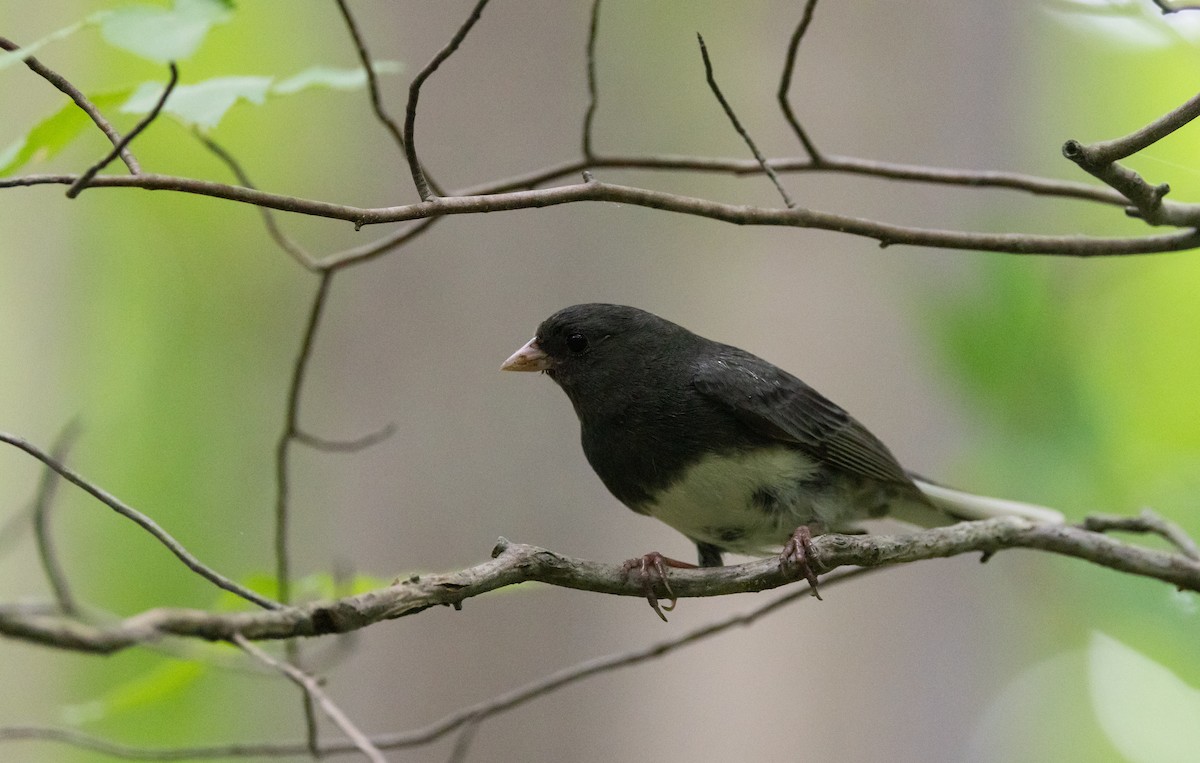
725 447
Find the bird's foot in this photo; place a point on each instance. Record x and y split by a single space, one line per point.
650 570
795 555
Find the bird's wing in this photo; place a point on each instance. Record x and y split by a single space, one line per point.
778 405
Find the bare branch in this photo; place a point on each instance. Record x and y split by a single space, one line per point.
141 520
1147 521
886 233
314 691
41 522
516 563
82 181
281 239
1107 151
414 92
283 568
589 117
346 446
785 82
737 125
81 100
368 65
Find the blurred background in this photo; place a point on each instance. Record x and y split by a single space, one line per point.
168 325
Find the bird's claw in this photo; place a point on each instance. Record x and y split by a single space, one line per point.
650 570
795 556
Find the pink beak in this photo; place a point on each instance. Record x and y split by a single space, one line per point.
529 358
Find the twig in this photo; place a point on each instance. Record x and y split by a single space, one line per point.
141 520
359 254
1104 152
1168 7
785 82
737 125
414 92
81 100
41 522
1147 521
462 745
283 567
83 180
346 446
590 115
281 239
314 691
368 65
364 57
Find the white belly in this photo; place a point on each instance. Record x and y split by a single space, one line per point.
720 500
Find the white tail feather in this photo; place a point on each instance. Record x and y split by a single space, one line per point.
970 506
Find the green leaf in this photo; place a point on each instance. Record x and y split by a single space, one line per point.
202 104
55 132
164 34
205 103
1147 712
164 682
332 77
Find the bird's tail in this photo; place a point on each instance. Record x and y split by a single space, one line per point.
962 505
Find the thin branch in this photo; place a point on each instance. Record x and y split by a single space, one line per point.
1149 522
82 182
737 125
41 522
414 92
785 82
346 446
1168 7
368 64
886 234
314 691
373 89
590 115
462 745
141 520
80 100
283 567
281 239
1104 152
359 254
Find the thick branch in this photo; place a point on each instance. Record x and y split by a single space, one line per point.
516 563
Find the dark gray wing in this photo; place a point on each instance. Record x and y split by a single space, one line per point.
778 405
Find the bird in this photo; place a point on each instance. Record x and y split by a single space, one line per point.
735 453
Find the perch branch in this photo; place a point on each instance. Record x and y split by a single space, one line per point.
467 718
517 563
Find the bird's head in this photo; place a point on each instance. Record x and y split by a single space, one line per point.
597 349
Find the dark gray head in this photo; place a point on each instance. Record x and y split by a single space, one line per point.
595 350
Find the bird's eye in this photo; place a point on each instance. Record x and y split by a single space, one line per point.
577 343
